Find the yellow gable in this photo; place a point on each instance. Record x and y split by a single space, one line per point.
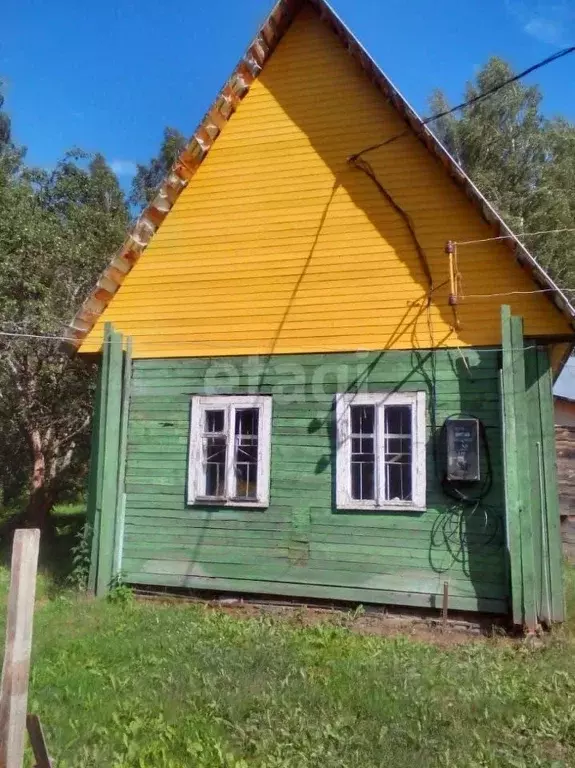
279 245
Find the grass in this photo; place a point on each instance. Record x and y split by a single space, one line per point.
137 684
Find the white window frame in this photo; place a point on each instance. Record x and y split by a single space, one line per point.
196 478
344 402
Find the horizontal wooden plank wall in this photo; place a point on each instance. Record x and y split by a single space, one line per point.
565 440
279 245
300 545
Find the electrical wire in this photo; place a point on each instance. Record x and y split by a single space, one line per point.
449 529
469 102
364 166
210 343
515 236
510 293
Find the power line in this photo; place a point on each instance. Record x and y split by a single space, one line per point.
455 348
474 100
511 293
515 236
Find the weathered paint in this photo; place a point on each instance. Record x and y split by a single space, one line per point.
532 511
278 245
122 455
107 462
300 545
551 530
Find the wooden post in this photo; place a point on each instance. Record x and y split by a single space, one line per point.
517 468
112 411
510 458
445 603
16 668
38 742
524 477
551 524
122 455
97 460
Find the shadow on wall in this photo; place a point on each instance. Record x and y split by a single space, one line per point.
475 530
339 123
467 539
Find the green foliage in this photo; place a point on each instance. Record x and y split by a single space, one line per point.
522 162
10 154
149 177
120 593
80 554
57 231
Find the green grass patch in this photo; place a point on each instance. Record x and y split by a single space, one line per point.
136 684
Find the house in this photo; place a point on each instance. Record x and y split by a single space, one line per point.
564 411
297 397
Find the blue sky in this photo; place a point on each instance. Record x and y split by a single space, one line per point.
110 75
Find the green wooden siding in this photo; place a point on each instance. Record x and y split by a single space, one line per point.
532 514
301 545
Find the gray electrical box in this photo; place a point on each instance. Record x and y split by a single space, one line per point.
463 450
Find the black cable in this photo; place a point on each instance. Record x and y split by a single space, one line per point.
474 100
449 528
364 166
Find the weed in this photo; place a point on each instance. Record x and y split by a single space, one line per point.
120 593
81 553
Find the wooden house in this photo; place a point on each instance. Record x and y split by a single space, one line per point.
564 411
326 363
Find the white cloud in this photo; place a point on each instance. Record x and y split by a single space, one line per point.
550 21
546 30
124 167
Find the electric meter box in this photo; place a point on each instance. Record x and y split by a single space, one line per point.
463 450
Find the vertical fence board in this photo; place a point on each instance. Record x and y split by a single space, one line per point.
16 667
522 448
122 454
96 467
512 505
550 489
111 446
536 506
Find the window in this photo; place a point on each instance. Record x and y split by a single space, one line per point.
381 451
229 457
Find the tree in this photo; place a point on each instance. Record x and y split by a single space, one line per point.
149 177
57 230
522 162
10 155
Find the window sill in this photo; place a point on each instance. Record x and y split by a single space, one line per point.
388 507
210 502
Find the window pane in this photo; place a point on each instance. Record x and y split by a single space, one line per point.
214 444
215 421
363 452
398 419
362 419
215 465
398 452
246 453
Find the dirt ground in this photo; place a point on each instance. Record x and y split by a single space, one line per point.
420 625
